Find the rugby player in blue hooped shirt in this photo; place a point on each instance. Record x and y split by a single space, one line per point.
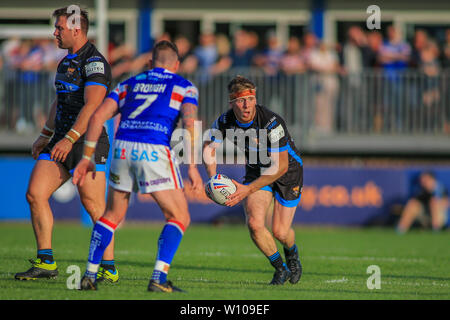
281 177
150 105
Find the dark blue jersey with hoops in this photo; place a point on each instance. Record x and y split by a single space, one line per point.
75 72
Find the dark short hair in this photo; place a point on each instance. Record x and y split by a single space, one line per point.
84 19
429 173
163 45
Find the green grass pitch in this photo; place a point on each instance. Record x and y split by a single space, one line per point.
221 263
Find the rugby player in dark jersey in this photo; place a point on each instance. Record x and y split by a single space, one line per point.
82 81
273 170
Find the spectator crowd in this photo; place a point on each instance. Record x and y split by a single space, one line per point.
216 53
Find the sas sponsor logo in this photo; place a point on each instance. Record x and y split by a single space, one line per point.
136 155
154 182
115 178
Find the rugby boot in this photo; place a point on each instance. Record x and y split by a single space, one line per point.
280 276
87 283
105 274
294 265
39 270
163 287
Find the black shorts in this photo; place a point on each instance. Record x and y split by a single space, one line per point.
75 155
287 189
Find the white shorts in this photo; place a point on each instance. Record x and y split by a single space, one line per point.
143 167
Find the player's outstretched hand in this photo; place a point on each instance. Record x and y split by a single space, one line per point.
61 150
81 170
242 191
196 179
38 145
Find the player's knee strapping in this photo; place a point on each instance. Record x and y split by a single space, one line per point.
101 237
168 243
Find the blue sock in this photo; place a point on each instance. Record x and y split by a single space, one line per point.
168 243
46 255
100 239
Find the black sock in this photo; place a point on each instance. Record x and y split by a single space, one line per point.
46 255
291 251
276 261
108 265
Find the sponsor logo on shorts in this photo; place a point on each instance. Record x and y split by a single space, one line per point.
136 155
114 177
154 182
296 190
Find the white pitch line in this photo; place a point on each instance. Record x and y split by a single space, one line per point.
344 279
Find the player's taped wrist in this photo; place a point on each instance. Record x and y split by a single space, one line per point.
73 135
89 149
46 132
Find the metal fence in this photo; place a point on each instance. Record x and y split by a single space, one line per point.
390 106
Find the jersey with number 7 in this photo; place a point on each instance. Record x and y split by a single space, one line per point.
149 104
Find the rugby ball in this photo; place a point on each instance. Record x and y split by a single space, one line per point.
219 187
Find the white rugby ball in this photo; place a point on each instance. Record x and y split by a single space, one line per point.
219 187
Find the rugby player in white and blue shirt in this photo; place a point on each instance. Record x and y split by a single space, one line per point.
150 105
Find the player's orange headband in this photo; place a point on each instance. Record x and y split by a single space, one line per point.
241 94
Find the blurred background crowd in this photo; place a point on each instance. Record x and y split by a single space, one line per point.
336 73
217 53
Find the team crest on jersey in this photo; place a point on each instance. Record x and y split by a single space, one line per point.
70 72
192 92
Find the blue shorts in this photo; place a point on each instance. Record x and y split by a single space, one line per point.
285 203
46 156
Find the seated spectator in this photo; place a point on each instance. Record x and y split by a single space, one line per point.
428 205
292 62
